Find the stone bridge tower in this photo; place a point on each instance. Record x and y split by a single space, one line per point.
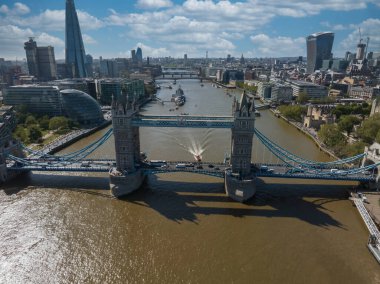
127 176
239 181
373 157
242 135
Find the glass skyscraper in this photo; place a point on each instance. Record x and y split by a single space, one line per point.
319 48
75 53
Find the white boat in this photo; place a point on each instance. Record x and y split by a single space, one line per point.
198 158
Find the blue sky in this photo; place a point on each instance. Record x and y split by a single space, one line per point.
255 28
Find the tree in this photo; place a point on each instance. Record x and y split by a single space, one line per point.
35 134
44 122
295 112
347 122
21 133
302 98
369 129
354 149
30 120
331 135
58 122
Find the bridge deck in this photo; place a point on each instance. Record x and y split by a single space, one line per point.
206 168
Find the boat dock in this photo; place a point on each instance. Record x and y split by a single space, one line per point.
374 239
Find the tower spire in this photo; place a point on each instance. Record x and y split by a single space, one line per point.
75 53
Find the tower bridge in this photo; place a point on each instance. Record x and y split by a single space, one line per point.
128 170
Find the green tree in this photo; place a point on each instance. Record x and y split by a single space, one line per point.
35 134
347 123
302 98
21 133
295 112
44 122
30 120
331 135
369 129
350 150
21 114
58 122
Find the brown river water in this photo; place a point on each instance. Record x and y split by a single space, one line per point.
181 228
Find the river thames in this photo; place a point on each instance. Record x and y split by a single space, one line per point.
181 228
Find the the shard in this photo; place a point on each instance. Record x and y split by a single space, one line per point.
75 53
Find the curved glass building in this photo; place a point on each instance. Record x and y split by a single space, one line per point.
81 107
319 48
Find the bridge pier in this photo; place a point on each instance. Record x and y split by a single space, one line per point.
239 181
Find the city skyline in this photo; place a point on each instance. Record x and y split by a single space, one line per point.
174 28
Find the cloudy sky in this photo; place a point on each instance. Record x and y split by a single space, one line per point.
255 28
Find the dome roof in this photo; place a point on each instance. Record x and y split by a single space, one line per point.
81 107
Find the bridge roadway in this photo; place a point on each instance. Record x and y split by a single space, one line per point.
206 168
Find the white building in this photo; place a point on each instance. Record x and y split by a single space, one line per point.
313 91
282 93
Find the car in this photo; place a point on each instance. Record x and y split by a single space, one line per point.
295 170
199 167
210 166
189 165
270 171
217 168
180 166
264 168
341 172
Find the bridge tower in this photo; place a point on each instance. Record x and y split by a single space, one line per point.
373 157
126 176
239 181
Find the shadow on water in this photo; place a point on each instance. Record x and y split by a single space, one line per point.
183 201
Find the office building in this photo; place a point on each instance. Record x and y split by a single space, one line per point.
31 57
134 89
49 100
313 91
41 61
41 100
319 46
264 90
139 56
133 55
89 65
75 53
281 93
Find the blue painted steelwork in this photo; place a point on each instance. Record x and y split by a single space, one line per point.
294 167
183 121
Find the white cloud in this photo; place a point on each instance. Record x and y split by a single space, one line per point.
88 39
4 9
44 39
21 9
52 20
368 28
12 40
338 27
265 46
154 4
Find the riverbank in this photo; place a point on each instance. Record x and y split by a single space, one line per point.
70 138
312 136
